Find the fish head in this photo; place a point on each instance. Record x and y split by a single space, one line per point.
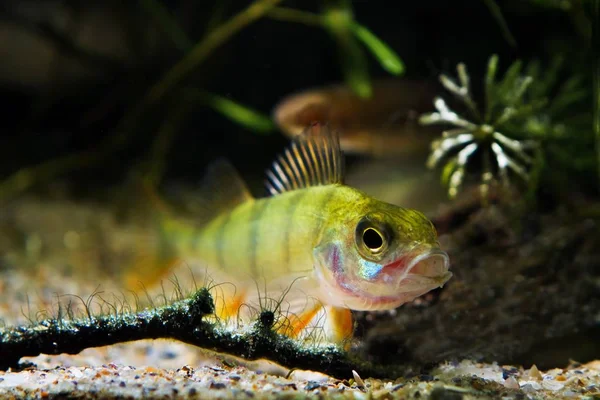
378 257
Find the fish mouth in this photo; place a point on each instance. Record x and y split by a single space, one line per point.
433 264
407 278
399 282
428 269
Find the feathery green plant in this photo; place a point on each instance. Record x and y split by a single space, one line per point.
524 123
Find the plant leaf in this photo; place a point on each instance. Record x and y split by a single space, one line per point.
338 21
237 112
388 59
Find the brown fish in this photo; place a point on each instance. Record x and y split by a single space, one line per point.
384 125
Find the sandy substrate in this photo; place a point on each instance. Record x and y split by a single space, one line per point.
86 377
168 369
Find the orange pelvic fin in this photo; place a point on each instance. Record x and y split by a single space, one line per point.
341 324
300 322
318 322
228 308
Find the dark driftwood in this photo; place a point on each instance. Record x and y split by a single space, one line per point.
183 320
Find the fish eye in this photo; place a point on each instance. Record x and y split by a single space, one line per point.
372 239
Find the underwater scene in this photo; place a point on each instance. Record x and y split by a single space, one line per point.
272 199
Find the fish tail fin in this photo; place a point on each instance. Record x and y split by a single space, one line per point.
154 253
221 190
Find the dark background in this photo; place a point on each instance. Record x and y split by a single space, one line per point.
58 113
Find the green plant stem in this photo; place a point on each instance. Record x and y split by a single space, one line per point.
194 58
242 115
164 20
26 177
497 14
204 48
163 141
217 15
291 15
338 21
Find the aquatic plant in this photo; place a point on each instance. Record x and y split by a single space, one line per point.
593 10
338 19
169 93
521 127
188 319
559 4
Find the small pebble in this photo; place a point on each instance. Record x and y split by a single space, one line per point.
381 394
168 355
217 385
511 383
359 382
397 387
534 373
268 387
243 383
440 393
552 385
531 387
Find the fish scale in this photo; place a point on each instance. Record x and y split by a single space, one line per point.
325 247
267 237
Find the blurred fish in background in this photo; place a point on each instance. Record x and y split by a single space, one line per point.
381 131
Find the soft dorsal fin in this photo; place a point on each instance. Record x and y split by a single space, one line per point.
223 188
313 158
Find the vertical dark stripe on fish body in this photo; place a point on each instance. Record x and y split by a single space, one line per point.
220 240
328 197
258 208
290 209
195 238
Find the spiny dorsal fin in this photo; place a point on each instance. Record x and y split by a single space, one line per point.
313 158
223 188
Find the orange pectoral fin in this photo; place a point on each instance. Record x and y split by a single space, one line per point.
336 323
298 323
341 324
230 306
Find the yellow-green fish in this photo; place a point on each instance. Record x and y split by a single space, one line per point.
315 248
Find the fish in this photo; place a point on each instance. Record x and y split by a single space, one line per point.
385 125
313 250
399 181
